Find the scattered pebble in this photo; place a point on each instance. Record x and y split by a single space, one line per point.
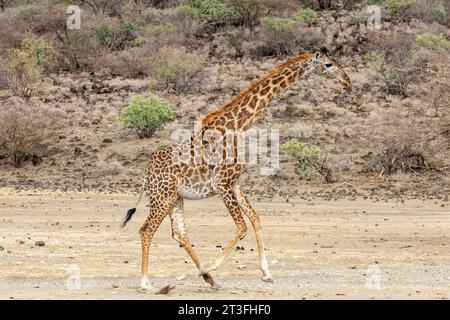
39 243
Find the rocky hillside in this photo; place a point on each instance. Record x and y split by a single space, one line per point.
62 102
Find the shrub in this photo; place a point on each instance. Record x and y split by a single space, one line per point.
27 11
210 10
395 7
146 114
113 33
428 10
374 60
393 83
304 15
279 28
248 12
104 7
175 69
21 70
355 17
372 2
431 41
304 153
439 12
23 131
284 36
162 4
41 50
398 158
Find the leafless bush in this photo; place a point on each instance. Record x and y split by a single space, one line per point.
160 4
130 63
176 69
402 158
23 130
319 4
323 168
427 10
105 7
248 12
4 4
287 38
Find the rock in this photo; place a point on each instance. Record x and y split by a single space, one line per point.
1 248
39 243
107 140
77 151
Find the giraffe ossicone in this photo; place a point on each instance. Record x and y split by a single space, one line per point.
168 181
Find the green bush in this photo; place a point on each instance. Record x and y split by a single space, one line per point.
393 83
27 11
278 28
210 10
431 41
112 32
304 15
306 155
439 12
355 17
39 49
145 115
395 7
372 2
374 60
21 70
175 69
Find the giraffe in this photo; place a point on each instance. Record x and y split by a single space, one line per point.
168 182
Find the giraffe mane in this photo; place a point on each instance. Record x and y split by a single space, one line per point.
215 113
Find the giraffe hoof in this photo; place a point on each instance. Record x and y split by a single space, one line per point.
146 286
209 279
267 279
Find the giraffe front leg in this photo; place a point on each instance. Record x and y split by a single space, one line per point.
232 205
256 223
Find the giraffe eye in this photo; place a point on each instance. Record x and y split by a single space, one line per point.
328 65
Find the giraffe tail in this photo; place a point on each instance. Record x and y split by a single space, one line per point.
132 211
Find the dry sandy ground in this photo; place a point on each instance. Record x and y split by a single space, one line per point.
317 249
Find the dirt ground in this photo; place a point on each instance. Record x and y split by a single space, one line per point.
317 249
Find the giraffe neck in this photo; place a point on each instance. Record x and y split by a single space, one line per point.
242 112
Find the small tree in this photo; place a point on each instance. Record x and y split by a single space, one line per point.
175 69
146 114
21 70
308 157
23 131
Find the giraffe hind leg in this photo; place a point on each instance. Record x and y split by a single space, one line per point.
159 209
256 223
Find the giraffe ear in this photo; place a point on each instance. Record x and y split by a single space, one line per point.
317 55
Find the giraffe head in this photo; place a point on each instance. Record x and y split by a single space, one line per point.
320 62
